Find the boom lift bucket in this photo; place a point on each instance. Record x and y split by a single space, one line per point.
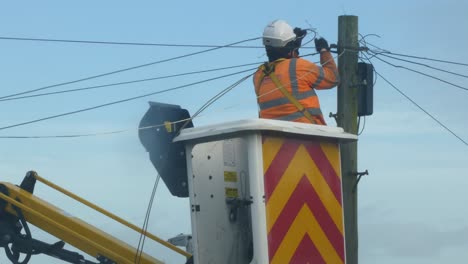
265 191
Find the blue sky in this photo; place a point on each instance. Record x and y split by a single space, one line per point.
411 207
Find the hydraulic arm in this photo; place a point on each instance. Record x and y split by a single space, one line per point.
18 207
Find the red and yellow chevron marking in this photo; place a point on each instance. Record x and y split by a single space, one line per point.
303 201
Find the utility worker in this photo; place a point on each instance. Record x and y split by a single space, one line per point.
285 86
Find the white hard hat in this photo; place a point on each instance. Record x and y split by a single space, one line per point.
277 34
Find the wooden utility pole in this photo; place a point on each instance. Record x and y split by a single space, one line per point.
347 119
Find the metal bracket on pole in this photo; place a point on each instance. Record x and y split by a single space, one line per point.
359 175
356 49
335 116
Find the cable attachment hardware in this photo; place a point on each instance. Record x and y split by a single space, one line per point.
359 175
335 116
337 47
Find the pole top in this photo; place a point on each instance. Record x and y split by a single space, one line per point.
348 16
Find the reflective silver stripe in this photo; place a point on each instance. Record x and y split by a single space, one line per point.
284 100
293 77
296 115
314 111
320 78
294 89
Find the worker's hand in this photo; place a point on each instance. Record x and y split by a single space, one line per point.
320 44
300 33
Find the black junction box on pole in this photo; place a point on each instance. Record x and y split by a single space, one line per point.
366 89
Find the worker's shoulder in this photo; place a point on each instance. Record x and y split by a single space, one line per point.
296 60
304 63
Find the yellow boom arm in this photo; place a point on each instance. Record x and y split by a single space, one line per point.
70 229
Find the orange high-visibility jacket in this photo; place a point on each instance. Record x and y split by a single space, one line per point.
300 78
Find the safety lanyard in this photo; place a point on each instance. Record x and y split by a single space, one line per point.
269 70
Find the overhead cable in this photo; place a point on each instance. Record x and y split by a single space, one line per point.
214 99
416 57
65 136
186 120
127 82
422 73
125 43
121 101
126 69
141 241
425 65
386 53
363 125
132 43
420 107
157 125
106 133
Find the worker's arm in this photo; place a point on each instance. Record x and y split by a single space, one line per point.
328 71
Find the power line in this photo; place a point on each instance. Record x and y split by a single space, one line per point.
424 58
363 125
220 94
197 114
124 43
214 99
414 103
64 136
121 101
142 239
96 133
186 120
419 72
135 81
416 57
425 65
72 41
420 107
158 125
127 82
127 69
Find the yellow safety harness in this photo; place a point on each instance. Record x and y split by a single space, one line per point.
268 69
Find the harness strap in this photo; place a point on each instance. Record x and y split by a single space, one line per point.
269 70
